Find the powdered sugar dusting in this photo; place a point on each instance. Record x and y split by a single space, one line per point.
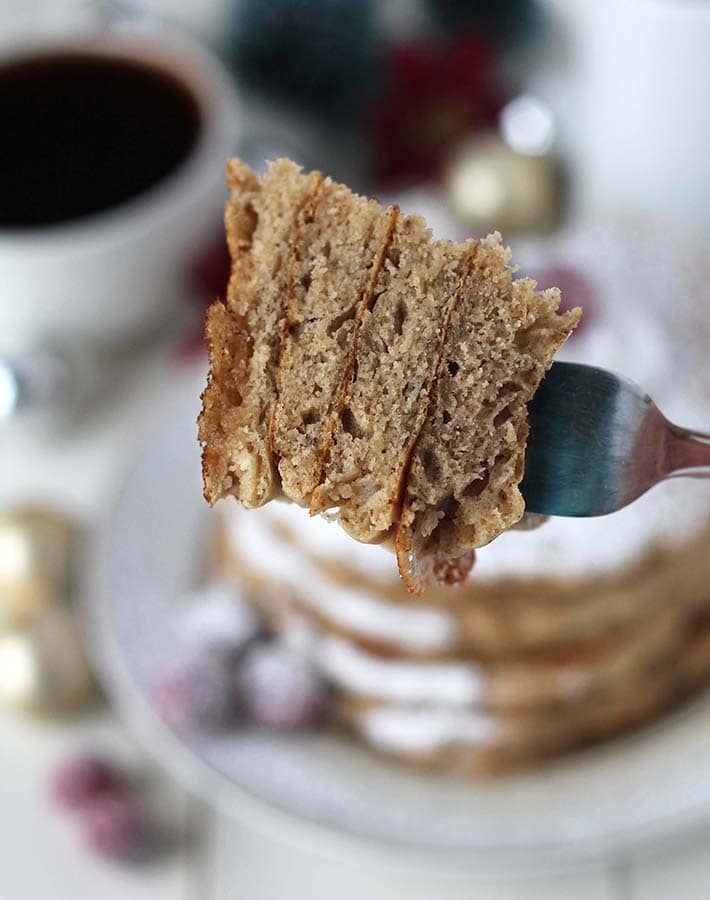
352 669
402 729
258 545
325 539
217 615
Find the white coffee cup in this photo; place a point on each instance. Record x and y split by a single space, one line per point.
120 274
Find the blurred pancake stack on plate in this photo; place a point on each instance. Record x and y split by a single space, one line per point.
563 635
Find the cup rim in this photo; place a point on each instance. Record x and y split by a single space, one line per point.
209 82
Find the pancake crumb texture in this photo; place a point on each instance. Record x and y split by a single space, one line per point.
362 369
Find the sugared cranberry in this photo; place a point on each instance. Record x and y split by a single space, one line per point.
201 691
281 690
118 828
81 779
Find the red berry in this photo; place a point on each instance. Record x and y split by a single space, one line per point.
201 691
281 690
438 91
118 828
81 779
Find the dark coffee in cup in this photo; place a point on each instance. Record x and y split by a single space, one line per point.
82 133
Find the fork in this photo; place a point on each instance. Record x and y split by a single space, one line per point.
597 442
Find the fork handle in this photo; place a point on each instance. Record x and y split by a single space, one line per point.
687 453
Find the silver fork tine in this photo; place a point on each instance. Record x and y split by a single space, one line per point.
597 442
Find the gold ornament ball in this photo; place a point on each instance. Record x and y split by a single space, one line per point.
36 561
34 539
22 600
43 669
489 185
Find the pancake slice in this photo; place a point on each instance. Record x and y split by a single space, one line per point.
462 488
398 347
244 333
332 277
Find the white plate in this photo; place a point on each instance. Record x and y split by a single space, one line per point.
651 786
